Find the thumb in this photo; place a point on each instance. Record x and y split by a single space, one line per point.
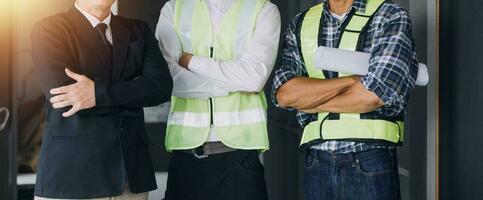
73 75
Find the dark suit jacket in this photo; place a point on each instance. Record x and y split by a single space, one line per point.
97 151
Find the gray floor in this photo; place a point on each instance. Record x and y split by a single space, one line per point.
27 179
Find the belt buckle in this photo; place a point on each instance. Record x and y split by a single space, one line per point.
196 153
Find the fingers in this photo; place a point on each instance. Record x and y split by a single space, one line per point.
62 104
65 89
58 98
71 112
73 75
60 90
60 101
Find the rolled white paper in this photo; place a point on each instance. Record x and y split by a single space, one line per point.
423 75
354 62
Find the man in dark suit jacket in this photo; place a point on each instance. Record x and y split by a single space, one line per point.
97 71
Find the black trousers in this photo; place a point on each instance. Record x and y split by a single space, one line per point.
236 175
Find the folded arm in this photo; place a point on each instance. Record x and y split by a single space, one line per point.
292 88
186 83
52 56
152 87
251 71
393 64
304 93
357 99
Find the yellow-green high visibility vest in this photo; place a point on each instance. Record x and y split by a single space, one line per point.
239 119
347 126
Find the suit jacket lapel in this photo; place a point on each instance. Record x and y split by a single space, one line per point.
89 37
120 37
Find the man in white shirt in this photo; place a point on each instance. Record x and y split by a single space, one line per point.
216 167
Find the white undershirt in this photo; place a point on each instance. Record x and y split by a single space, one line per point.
209 77
339 17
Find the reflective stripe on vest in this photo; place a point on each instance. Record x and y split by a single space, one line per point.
349 125
239 119
192 119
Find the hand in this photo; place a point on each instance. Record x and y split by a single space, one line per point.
185 60
80 95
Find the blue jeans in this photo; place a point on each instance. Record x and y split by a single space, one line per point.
368 175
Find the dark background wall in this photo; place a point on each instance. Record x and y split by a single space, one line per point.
461 94
147 10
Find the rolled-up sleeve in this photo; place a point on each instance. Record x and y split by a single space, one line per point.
393 65
290 65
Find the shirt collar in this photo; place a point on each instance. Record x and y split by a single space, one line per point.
358 5
93 20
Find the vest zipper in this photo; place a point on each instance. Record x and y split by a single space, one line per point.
211 112
211 100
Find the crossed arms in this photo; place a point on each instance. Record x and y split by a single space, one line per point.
391 77
340 95
73 93
203 77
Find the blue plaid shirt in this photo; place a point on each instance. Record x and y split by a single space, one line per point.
393 63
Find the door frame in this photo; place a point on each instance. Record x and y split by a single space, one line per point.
432 164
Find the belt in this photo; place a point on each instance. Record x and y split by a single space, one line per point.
209 148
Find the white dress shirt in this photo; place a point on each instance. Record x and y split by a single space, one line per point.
208 77
94 21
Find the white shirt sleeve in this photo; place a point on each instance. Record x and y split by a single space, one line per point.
251 71
186 83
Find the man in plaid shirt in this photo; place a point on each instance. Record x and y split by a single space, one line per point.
351 169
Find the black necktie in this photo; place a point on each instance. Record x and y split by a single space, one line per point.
101 29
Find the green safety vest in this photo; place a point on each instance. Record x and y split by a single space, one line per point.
239 119
349 126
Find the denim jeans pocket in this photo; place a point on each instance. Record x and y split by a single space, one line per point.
379 162
311 159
